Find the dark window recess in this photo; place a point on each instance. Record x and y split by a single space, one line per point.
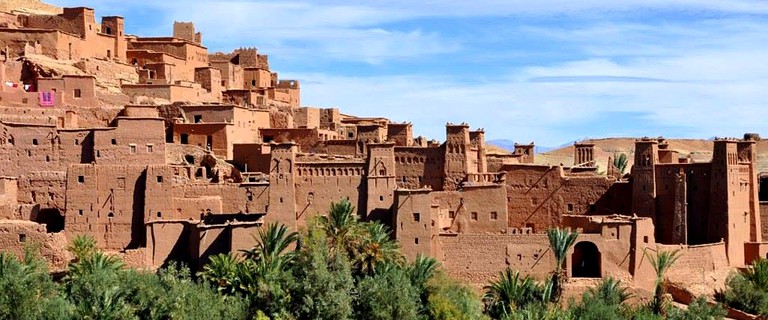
81 179
114 141
78 93
184 138
198 119
416 216
159 179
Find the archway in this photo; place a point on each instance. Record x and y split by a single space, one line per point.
52 218
585 262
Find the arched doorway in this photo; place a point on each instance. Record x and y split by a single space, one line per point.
52 218
585 262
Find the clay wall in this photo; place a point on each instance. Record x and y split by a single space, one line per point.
105 201
138 140
307 139
244 98
210 79
330 119
75 21
400 133
418 167
318 184
251 157
8 191
231 74
196 56
764 219
180 71
203 134
457 149
192 93
537 196
29 148
45 188
307 117
476 258
340 147
79 91
480 209
696 263
415 223
167 241
16 234
254 78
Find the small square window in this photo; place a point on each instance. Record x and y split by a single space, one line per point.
80 212
452 214
150 148
159 179
494 215
645 239
34 142
570 207
416 240
114 141
473 216
22 237
133 148
81 179
78 93
416 217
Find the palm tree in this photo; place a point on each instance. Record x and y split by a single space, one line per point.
96 262
510 292
341 225
620 161
560 241
610 291
223 271
376 247
421 271
272 243
661 262
82 246
757 273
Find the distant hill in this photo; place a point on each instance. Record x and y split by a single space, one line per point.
700 150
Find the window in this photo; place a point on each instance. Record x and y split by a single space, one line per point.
77 142
150 148
416 240
198 118
184 138
133 148
473 216
570 207
78 93
159 179
416 217
159 214
34 142
494 215
80 179
22 237
253 83
114 141
452 214
381 198
80 212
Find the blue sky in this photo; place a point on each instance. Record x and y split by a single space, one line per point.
545 71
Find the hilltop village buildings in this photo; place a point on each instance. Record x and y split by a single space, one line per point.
191 152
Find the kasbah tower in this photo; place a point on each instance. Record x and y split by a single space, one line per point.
162 151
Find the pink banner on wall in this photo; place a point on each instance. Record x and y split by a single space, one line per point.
47 99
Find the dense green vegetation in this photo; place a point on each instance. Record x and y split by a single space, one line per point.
748 291
338 268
